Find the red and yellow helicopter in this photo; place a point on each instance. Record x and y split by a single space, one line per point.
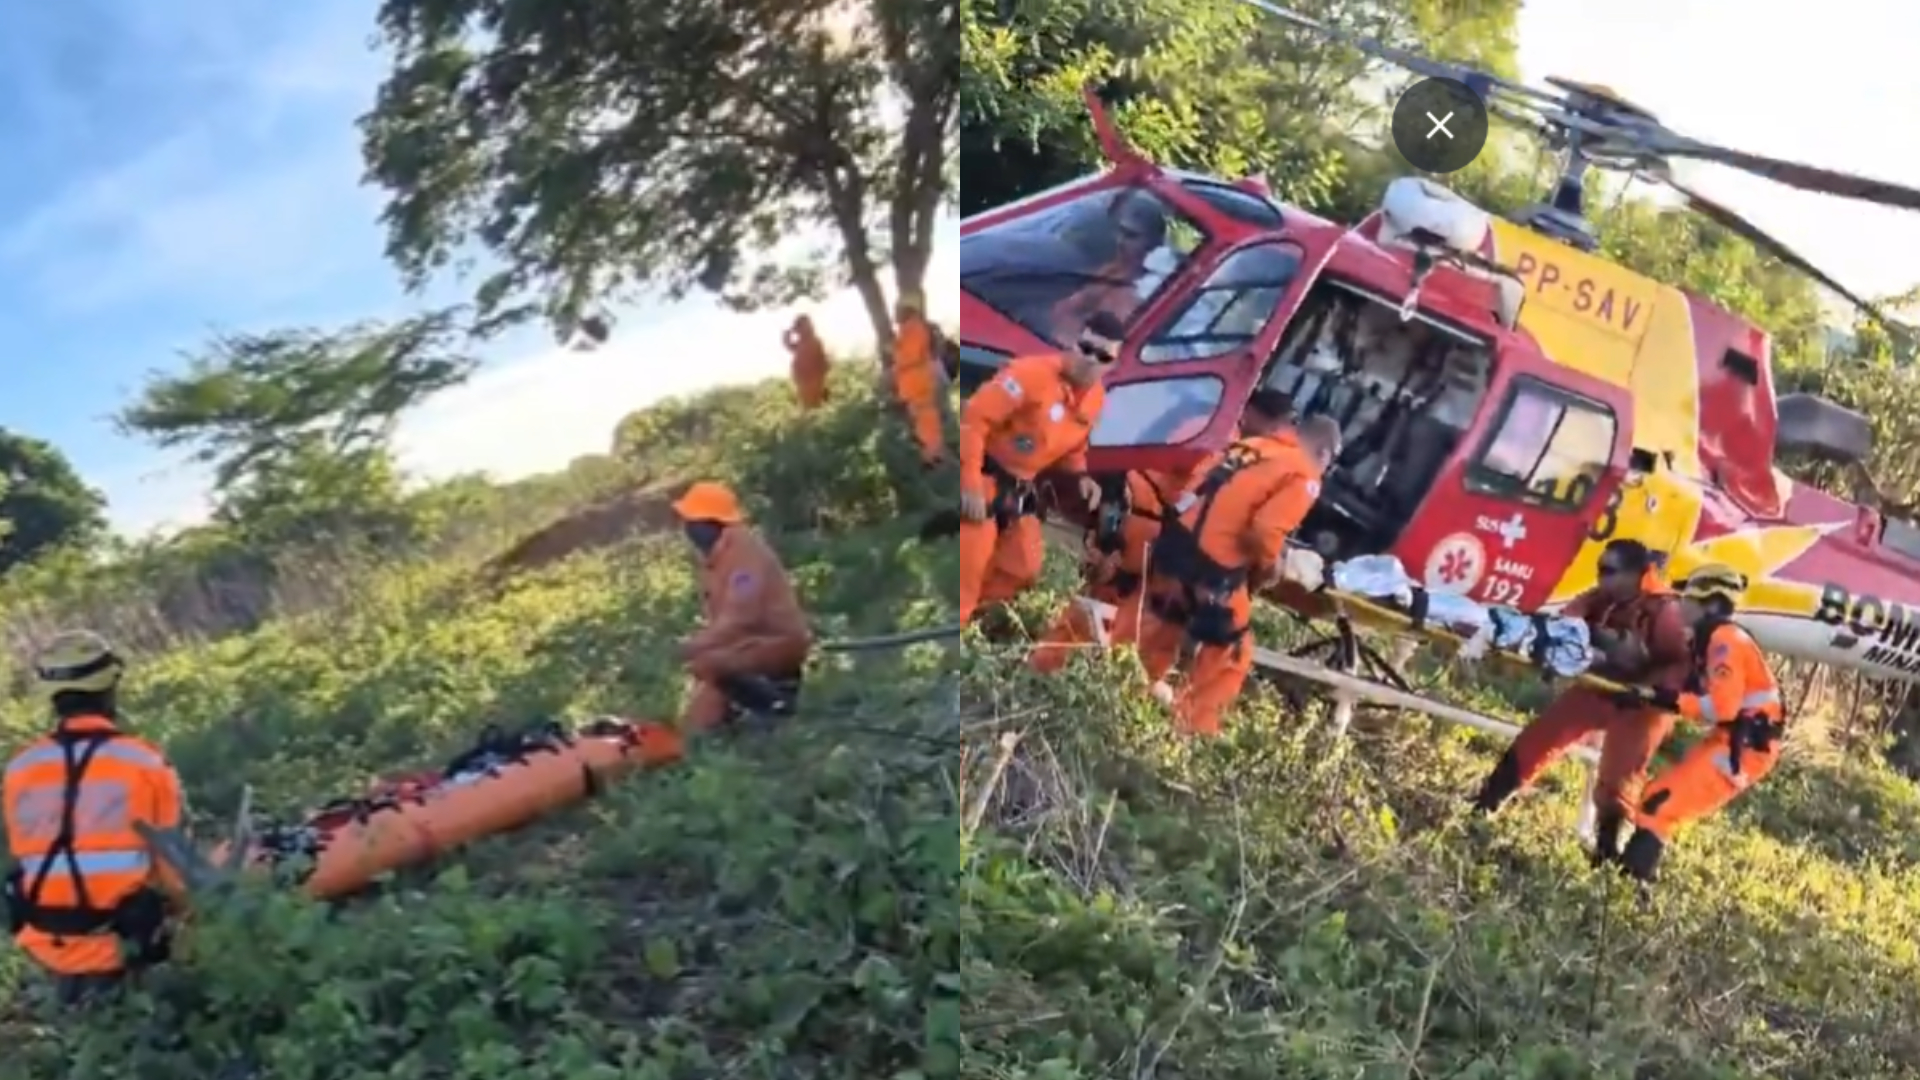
1511 399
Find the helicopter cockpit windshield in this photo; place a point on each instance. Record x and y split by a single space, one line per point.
1404 391
1050 270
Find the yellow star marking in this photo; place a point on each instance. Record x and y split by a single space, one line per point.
1759 553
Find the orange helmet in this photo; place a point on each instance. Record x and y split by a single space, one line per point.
708 501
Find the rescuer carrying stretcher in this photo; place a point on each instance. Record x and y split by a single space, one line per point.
86 898
1035 414
1636 623
1220 542
749 656
1730 687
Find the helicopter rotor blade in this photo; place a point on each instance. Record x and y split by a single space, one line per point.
1791 173
1620 134
1758 237
1424 66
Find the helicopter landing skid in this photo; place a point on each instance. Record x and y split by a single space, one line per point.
1349 689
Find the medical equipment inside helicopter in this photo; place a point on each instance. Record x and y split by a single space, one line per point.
1404 392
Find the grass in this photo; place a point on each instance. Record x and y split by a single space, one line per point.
1281 905
1072 894
780 906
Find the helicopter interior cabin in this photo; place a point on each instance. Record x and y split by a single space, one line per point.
1404 392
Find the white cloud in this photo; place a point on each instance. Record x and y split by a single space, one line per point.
536 414
1826 87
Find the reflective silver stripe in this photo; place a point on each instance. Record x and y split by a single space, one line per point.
1759 699
129 753
120 861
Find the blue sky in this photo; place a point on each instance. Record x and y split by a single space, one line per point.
171 169
177 168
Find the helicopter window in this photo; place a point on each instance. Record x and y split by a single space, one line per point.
1742 367
1901 536
1050 269
1229 310
1548 448
1243 206
1164 412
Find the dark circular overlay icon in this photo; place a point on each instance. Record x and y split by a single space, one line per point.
1440 125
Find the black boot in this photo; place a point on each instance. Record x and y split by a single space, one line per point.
1606 837
1500 784
1641 860
760 699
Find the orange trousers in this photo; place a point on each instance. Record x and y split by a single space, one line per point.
809 387
919 395
1700 783
998 564
764 656
1212 680
1632 737
1073 629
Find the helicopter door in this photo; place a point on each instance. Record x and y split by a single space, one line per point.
1183 379
1511 513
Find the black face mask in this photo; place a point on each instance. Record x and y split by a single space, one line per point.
703 534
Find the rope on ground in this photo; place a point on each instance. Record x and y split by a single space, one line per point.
891 641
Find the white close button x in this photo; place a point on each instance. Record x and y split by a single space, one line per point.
1440 125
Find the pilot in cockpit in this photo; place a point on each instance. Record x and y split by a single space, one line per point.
1127 278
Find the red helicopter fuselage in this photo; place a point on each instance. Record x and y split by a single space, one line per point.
1509 405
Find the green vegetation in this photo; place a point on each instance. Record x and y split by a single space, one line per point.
1285 904
778 906
1279 904
1075 895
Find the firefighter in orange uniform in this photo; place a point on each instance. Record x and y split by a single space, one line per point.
1733 689
1228 541
1034 415
809 363
1114 564
86 898
747 658
917 380
1636 623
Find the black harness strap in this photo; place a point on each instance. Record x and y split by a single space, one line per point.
1013 498
77 751
1542 641
1179 556
1418 609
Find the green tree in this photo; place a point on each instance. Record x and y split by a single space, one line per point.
44 504
251 398
296 420
597 147
1211 85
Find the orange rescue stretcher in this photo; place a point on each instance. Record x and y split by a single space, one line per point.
506 781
